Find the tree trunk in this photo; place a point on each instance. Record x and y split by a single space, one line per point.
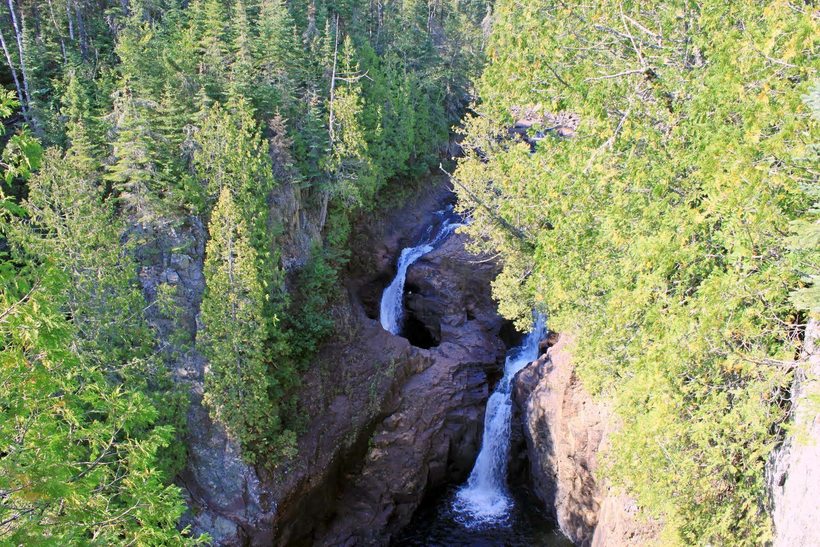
330 121
18 34
15 77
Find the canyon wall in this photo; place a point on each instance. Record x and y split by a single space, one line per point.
565 430
794 469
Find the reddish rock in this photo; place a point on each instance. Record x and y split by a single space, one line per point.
565 430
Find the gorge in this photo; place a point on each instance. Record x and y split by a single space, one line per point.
409 273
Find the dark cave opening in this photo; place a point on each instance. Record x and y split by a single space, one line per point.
421 334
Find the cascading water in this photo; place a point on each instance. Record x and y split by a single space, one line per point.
484 512
485 498
392 306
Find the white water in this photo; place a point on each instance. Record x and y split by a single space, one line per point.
390 313
485 498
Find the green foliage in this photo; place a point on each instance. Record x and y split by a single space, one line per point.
156 111
233 338
657 231
134 174
22 154
231 154
351 178
74 466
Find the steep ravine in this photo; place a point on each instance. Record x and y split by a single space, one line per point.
390 420
385 421
424 421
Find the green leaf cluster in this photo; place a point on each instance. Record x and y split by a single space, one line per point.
649 213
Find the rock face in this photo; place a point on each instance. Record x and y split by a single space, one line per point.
565 430
230 503
794 470
428 433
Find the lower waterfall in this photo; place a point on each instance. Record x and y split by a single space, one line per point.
485 498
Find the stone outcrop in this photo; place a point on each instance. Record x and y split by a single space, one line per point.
565 430
428 433
228 499
794 470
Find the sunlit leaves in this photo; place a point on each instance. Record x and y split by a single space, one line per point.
659 231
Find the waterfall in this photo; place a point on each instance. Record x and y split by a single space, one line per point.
392 306
485 498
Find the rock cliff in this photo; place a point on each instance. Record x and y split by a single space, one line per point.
794 470
565 429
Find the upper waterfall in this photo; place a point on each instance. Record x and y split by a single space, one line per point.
391 309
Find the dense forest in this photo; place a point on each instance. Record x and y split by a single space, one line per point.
646 174
126 118
664 208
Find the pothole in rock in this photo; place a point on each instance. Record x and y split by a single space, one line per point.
370 294
509 335
419 334
422 318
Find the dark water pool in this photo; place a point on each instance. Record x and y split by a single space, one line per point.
436 524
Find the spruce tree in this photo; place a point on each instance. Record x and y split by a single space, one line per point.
351 177
82 127
277 55
212 43
134 175
79 458
233 337
232 153
242 79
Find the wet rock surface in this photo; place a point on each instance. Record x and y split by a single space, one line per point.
429 432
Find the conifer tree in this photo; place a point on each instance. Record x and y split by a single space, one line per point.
72 227
232 153
212 43
79 456
233 337
82 127
352 179
242 80
276 52
134 173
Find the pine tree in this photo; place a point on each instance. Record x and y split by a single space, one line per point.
211 27
79 455
70 226
134 173
233 337
82 127
277 55
352 179
242 80
232 153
